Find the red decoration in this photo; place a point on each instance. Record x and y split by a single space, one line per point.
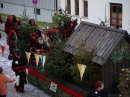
65 89
2 48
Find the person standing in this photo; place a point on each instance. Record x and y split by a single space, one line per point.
32 22
40 47
3 80
10 24
34 37
11 43
98 91
19 67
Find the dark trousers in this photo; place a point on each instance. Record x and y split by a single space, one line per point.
3 96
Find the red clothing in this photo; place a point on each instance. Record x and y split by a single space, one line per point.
11 38
19 67
34 37
10 24
3 80
1 20
42 48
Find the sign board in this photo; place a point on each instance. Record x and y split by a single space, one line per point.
34 2
53 87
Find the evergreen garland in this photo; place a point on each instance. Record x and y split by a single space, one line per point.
41 84
122 52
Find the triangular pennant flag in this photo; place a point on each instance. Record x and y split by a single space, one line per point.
3 49
43 59
28 55
37 58
81 68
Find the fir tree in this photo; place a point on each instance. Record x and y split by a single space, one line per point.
25 30
91 73
58 62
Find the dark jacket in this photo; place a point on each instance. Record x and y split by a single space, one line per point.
94 93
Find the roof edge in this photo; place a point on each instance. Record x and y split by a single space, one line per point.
104 27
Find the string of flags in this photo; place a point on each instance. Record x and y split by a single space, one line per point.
37 57
28 54
81 67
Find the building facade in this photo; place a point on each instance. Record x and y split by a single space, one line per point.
44 8
112 12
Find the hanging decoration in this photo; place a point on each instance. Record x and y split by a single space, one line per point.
37 59
3 49
43 59
28 54
81 68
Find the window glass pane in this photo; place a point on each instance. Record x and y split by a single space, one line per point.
114 8
120 16
1 5
120 9
113 21
120 22
38 11
77 7
85 8
69 6
113 15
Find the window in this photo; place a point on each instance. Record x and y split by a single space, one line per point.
69 7
116 14
1 5
77 7
85 8
38 11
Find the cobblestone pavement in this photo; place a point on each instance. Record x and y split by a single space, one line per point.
30 90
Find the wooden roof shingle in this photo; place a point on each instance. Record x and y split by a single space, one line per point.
101 38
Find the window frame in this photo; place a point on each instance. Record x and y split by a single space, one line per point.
85 2
1 4
38 11
69 5
116 5
76 7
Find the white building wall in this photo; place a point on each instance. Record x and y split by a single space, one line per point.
96 8
17 9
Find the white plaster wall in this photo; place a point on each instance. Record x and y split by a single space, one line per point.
96 8
17 9
59 3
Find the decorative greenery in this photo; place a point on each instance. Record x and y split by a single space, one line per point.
58 19
46 87
64 24
122 52
58 62
124 83
25 30
91 73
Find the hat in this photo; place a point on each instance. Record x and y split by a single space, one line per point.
98 84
